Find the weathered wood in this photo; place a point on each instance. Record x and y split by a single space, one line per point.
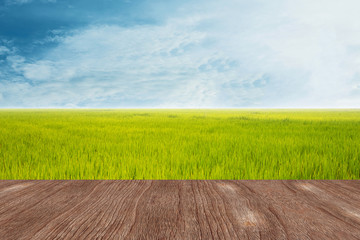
180 209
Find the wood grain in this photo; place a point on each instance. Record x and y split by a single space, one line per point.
179 209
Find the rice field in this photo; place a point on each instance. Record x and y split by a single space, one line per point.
179 144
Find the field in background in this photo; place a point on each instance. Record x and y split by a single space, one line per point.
179 144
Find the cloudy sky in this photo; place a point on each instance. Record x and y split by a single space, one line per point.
167 54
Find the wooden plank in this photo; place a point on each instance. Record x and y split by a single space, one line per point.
288 209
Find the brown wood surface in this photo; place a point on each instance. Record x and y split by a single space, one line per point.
179 209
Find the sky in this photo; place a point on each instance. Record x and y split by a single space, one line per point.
179 54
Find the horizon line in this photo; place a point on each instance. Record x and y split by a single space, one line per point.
174 108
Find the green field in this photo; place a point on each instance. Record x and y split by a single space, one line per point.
179 144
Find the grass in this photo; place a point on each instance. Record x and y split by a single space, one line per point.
179 144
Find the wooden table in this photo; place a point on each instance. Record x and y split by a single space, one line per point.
179 209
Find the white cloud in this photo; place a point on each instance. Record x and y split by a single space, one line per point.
238 53
4 50
166 65
317 40
41 71
16 62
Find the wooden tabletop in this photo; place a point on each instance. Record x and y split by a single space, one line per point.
179 209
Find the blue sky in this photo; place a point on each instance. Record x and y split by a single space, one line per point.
170 54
